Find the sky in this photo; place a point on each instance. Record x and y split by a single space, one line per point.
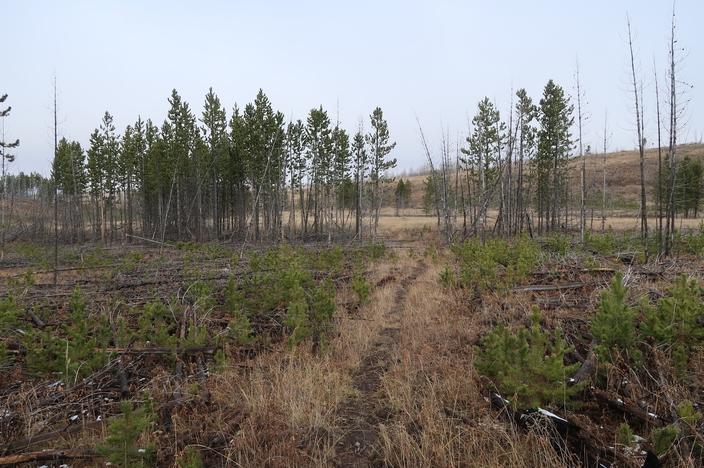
426 61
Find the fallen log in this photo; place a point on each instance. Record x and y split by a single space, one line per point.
626 407
49 436
588 368
548 287
570 434
46 455
178 351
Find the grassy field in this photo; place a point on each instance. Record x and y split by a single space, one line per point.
365 355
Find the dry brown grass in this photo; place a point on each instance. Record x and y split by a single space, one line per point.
289 399
440 416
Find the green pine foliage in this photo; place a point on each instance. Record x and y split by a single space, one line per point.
9 314
297 317
361 288
663 438
157 325
296 282
191 459
558 243
554 146
497 263
625 435
527 366
78 352
687 412
447 277
121 446
614 325
676 322
240 328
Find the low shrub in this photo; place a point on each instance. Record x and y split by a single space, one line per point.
120 447
79 352
558 243
528 366
448 278
677 321
497 263
614 325
361 288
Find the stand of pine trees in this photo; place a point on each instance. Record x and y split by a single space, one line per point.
247 176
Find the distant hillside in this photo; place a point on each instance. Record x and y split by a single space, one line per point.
622 174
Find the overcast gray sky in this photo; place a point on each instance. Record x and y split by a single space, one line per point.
432 59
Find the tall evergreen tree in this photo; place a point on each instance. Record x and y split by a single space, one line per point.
319 152
483 154
214 121
553 150
68 173
525 139
110 167
361 163
295 147
96 180
340 170
380 147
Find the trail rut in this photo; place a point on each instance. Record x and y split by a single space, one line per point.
362 413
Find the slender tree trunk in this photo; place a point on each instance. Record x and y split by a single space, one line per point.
641 150
56 198
583 171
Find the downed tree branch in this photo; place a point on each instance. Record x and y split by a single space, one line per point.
626 407
178 351
49 436
549 287
46 455
571 434
588 368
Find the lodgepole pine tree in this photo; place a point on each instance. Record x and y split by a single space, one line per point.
6 159
380 147
553 149
359 152
214 121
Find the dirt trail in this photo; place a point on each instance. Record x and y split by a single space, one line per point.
362 414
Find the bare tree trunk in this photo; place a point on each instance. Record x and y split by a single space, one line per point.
641 150
603 188
583 170
660 181
670 227
56 198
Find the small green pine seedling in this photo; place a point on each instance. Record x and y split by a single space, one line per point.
447 277
663 438
121 446
528 366
240 330
686 411
614 324
624 435
361 288
677 320
191 458
297 317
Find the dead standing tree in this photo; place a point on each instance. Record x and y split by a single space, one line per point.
660 181
672 147
603 168
641 142
439 182
582 157
6 158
